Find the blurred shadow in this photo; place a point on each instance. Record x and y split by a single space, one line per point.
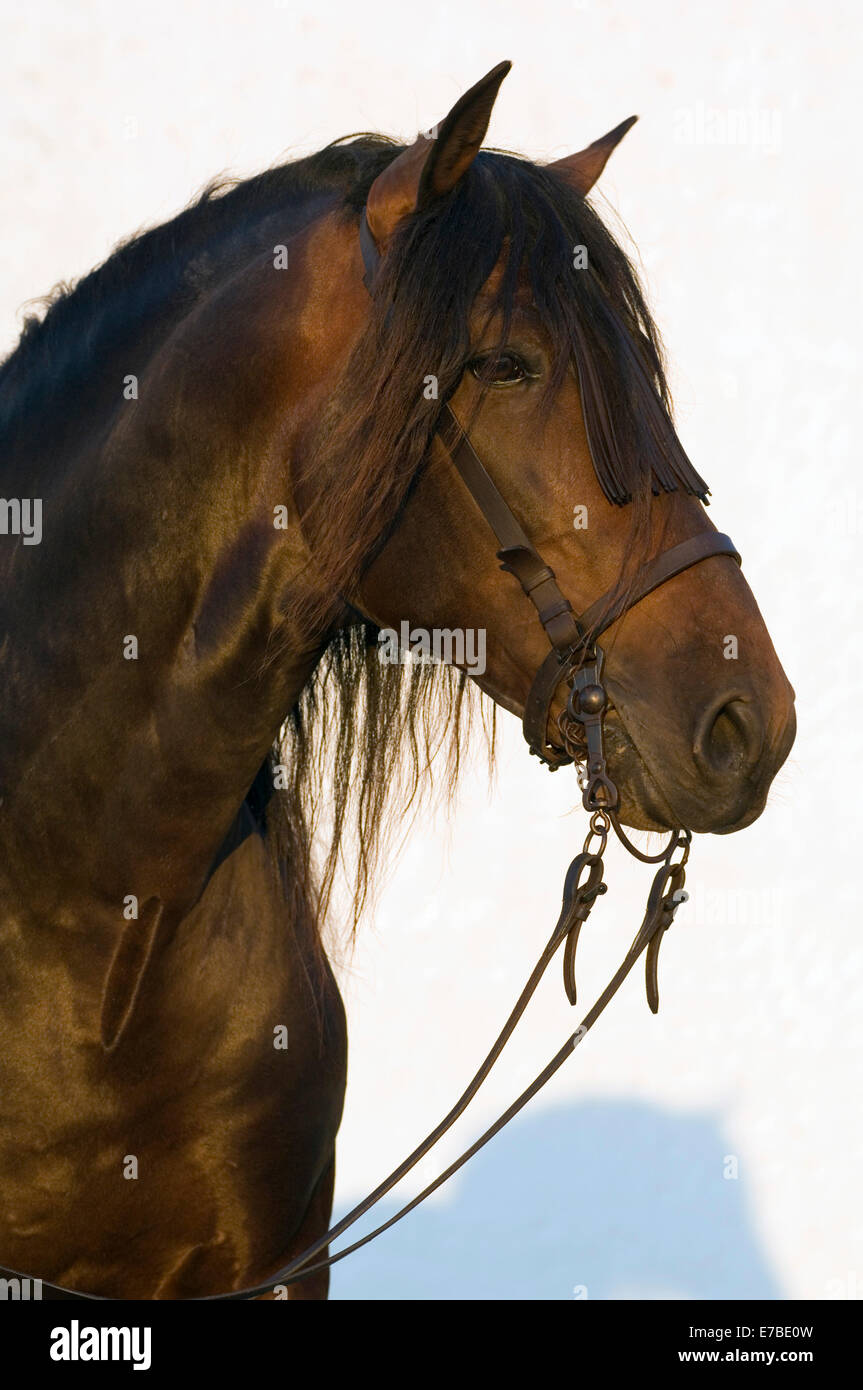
619 1197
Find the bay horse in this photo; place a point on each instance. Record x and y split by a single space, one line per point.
230 435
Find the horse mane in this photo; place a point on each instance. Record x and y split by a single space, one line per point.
130 303
365 739
365 734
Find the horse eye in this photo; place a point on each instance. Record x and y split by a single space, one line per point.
499 369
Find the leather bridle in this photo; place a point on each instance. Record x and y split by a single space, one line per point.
577 659
575 655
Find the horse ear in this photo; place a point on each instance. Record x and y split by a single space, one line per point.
583 169
430 167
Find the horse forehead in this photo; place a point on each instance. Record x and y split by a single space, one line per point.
486 301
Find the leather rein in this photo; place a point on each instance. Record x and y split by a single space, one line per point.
576 658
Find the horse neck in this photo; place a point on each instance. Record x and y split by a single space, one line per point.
171 561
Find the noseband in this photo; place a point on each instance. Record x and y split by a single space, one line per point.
576 659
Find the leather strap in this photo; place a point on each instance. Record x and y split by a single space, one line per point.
517 553
702 546
559 667
553 671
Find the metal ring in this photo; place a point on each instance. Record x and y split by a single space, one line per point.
682 840
598 831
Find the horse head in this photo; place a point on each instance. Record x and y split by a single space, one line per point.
500 297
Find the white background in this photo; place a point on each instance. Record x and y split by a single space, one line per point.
113 116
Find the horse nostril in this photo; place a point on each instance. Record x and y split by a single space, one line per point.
729 739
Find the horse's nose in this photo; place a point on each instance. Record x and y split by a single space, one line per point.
729 738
